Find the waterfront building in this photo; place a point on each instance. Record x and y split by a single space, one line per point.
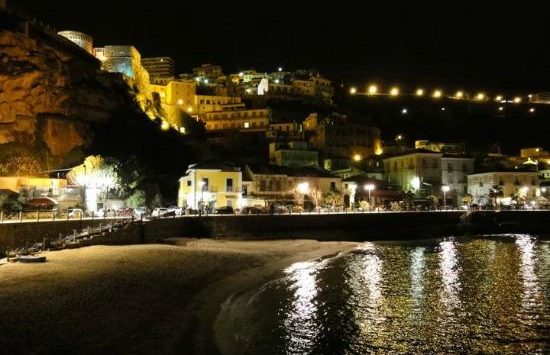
513 184
209 71
454 174
211 184
418 171
266 185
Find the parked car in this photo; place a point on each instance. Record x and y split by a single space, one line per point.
125 212
224 210
163 212
75 213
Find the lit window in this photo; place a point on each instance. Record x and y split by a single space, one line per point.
180 102
246 124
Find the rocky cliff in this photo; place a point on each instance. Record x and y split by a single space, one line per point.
50 93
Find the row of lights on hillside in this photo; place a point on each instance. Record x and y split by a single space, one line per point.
405 111
373 90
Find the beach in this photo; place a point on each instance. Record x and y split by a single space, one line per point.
143 299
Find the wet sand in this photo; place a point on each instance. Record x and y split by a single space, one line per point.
143 299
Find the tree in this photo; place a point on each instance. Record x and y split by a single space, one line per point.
494 192
334 198
137 199
97 176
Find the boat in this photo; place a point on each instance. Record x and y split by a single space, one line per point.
31 258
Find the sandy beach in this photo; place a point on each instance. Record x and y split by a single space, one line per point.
144 299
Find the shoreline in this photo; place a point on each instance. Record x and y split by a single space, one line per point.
138 298
208 304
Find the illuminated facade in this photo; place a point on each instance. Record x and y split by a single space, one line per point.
418 171
212 185
340 139
265 185
127 61
82 40
524 184
208 71
454 173
159 67
237 119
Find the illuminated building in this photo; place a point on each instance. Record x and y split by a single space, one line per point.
208 71
236 118
266 185
82 40
339 138
419 165
524 184
211 184
454 174
159 67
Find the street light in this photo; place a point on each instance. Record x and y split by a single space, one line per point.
372 89
394 91
437 94
353 90
445 189
369 188
419 92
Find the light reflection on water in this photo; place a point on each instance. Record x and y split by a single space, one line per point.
455 295
450 269
301 318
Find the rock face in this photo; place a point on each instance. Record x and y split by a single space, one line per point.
51 90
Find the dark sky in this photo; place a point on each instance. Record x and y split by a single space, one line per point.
499 44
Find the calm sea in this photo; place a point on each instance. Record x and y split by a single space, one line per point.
484 294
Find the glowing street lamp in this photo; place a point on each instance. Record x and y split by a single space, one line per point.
372 90
398 137
532 110
353 90
419 92
459 95
437 94
404 111
165 126
394 91
303 188
445 189
415 183
517 100
498 98
357 157
369 188
480 96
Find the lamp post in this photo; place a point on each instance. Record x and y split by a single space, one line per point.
369 188
445 189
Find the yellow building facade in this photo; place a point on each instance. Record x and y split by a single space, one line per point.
212 185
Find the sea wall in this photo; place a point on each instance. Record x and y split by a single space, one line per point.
27 233
353 227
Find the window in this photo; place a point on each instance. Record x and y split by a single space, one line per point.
229 185
189 183
247 125
205 184
332 186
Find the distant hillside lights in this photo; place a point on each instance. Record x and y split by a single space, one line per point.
375 90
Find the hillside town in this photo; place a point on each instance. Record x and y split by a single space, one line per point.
290 161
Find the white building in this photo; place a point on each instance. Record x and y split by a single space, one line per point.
524 184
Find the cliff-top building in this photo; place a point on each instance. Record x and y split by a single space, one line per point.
159 67
82 40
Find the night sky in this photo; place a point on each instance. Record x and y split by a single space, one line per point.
491 46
